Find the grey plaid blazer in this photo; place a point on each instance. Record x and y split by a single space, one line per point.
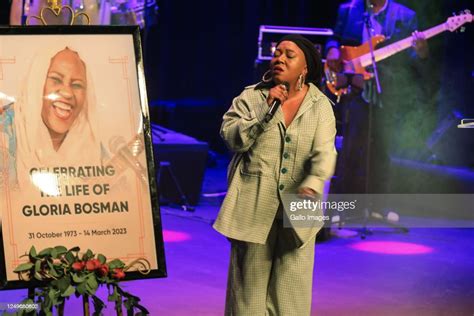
271 159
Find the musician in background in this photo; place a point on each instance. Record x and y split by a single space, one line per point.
398 75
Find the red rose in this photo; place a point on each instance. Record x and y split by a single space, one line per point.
103 270
118 273
78 266
92 264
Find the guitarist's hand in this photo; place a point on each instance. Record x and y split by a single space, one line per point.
333 59
420 44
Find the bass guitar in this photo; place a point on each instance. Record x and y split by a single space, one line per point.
356 59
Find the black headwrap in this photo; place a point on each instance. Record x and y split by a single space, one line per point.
312 55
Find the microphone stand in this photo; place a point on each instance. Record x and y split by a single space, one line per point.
368 25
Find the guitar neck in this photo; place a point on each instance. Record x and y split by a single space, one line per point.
392 49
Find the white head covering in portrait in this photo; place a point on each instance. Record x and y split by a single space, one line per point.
80 147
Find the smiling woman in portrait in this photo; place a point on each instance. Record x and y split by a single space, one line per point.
54 118
64 94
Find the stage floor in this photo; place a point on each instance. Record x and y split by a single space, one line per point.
423 272
347 280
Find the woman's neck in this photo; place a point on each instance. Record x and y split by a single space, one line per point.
295 92
56 139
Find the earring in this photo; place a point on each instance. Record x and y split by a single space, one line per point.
265 74
300 83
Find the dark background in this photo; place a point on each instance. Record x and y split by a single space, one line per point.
201 54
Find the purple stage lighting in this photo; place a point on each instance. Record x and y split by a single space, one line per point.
391 247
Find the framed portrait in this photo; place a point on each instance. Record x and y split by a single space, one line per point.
76 158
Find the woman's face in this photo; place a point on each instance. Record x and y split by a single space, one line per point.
288 63
64 92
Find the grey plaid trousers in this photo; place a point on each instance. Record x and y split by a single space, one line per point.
270 279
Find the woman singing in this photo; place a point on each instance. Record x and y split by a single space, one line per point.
271 265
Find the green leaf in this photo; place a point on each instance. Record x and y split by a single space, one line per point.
116 263
75 249
114 297
52 270
60 250
48 303
70 257
92 283
54 273
57 300
38 266
45 252
51 294
38 276
101 258
59 271
81 288
90 290
30 302
54 253
63 284
69 291
24 267
78 279
33 252
111 281
88 255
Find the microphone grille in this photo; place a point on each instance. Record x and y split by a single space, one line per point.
135 146
116 143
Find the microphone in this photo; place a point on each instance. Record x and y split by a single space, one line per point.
128 155
7 106
9 101
275 105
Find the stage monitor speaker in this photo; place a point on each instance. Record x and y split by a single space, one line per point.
198 118
180 163
451 145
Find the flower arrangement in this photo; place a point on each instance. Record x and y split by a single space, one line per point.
64 272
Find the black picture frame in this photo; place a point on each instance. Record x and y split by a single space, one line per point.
134 31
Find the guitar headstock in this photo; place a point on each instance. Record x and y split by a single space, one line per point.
454 22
